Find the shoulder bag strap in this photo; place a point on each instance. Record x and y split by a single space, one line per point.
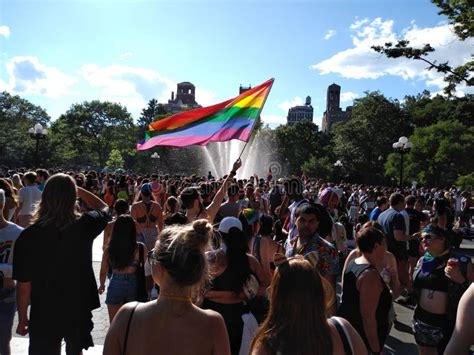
128 328
256 244
141 260
346 340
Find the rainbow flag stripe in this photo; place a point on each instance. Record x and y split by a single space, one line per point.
231 119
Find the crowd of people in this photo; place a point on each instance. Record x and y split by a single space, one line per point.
246 265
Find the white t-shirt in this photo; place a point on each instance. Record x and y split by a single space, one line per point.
8 236
30 196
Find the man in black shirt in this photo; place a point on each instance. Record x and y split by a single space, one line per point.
52 263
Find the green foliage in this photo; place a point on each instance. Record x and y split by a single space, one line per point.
461 16
17 115
362 142
296 144
465 182
440 154
319 167
150 113
115 160
87 133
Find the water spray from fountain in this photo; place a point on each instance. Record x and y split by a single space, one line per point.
257 158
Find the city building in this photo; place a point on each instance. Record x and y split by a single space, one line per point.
243 89
333 112
300 113
184 100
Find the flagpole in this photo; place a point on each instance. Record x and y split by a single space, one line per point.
258 116
242 152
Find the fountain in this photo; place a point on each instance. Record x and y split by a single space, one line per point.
256 159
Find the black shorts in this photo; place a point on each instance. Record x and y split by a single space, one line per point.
431 330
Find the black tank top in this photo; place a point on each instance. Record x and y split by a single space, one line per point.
350 305
223 282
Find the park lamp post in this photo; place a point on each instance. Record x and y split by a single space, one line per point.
402 147
156 158
338 166
37 133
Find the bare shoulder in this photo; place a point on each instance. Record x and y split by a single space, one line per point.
353 254
358 345
122 317
212 318
269 243
369 275
254 263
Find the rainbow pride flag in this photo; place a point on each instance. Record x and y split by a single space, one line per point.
231 119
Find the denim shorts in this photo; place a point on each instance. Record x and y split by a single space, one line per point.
122 289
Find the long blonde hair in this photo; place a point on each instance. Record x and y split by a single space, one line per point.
58 205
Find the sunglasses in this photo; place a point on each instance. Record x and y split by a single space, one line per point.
430 236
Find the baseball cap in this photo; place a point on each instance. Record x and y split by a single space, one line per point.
230 222
146 188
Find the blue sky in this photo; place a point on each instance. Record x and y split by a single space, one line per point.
57 53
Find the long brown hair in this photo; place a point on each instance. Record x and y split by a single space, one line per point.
296 322
58 202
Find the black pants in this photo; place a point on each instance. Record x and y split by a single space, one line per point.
232 314
76 337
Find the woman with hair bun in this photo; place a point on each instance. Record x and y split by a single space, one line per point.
233 269
172 324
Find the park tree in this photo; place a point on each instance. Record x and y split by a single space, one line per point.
296 144
115 160
321 167
153 112
440 155
423 110
363 142
465 182
461 16
87 133
17 115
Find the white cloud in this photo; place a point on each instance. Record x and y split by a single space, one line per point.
205 97
130 86
348 96
286 105
133 87
358 23
273 120
329 34
362 62
27 76
5 31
